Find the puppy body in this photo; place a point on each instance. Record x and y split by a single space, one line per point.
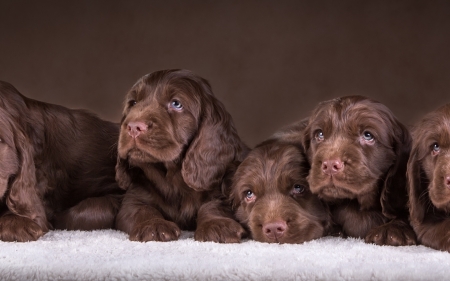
272 198
176 146
57 168
358 153
429 179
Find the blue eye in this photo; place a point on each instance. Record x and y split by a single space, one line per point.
436 149
298 189
176 104
320 136
249 196
368 136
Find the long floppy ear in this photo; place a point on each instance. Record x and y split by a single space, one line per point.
306 140
214 147
394 196
23 198
292 134
415 187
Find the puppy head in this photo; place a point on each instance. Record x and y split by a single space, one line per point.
271 196
172 115
429 164
355 146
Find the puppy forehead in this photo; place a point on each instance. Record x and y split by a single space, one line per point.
347 115
274 165
435 127
163 87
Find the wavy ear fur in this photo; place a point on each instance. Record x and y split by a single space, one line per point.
415 187
23 198
214 147
394 196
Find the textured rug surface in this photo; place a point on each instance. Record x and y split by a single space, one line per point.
109 255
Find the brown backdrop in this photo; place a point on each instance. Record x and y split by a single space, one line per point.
270 62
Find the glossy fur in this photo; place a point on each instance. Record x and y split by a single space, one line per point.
56 168
358 153
176 146
271 195
429 179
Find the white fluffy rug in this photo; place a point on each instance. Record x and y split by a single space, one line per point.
109 255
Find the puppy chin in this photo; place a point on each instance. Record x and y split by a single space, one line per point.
332 191
137 157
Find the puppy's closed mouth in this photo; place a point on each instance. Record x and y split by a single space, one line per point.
333 190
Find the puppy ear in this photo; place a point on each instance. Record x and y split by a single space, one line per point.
415 187
214 147
394 196
290 134
306 140
23 199
123 177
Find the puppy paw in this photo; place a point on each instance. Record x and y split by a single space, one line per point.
20 229
222 230
155 230
394 233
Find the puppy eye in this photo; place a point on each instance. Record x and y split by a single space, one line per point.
368 136
319 136
250 196
436 149
131 103
176 104
298 189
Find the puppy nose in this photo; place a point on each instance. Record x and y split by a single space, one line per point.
136 128
274 230
332 167
447 181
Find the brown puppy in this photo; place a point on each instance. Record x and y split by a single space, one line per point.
429 179
176 144
358 153
272 198
56 168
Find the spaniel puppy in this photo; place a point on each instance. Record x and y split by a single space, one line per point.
177 146
358 153
271 196
56 168
429 179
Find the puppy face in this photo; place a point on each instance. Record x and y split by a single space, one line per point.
272 198
351 143
161 116
431 150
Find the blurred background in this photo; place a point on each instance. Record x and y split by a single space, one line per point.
269 62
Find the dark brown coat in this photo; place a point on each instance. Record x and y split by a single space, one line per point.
429 179
358 153
56 168
176 144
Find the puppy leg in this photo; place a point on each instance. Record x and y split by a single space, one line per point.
434 234
142 221
215 223
17 228
91 213
393 233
